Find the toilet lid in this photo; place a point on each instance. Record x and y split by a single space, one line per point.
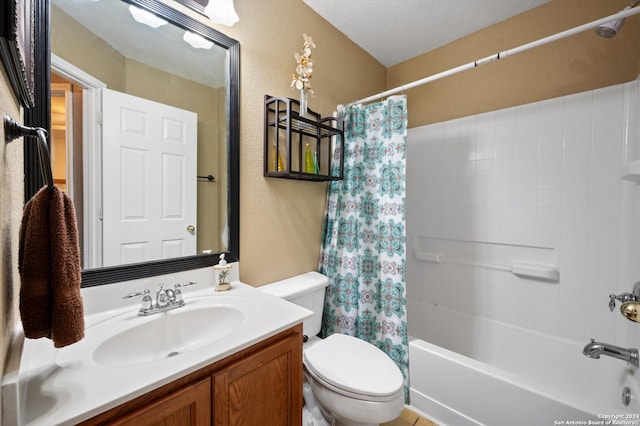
353 365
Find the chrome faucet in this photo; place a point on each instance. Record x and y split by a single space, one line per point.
595 349
162 297
634 296
165 299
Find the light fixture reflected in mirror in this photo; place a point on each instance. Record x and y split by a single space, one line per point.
197 41
222 12
145 17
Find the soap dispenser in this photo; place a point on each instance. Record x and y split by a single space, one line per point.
222 271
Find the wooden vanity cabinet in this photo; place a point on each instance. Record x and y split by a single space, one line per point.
257 386
261 386
188 406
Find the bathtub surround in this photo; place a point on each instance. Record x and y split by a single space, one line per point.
551 177
364 249
551 182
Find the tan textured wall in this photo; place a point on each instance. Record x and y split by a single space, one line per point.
73 43
581 62
11 202
281 220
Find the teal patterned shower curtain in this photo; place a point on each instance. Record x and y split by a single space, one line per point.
364 241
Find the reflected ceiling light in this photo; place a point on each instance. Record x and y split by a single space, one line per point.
196 40
221 12
145 17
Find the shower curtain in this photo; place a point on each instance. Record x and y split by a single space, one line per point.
364 244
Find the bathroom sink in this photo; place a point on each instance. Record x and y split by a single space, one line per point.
129 339
168 335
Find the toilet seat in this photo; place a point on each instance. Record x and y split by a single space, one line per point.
364 373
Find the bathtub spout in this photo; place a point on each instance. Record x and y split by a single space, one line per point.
595 349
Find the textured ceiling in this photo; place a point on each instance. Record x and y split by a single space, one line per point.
393 31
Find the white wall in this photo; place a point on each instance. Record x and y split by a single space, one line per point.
541 181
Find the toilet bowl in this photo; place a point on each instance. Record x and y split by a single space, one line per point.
352 381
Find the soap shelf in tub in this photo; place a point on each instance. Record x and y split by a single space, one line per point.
490 255
523 269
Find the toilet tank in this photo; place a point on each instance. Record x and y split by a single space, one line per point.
306 290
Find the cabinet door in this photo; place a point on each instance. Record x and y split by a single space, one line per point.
189 406
262 389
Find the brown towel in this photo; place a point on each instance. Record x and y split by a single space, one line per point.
49 264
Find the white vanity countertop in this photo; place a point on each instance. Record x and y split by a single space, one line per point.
57 389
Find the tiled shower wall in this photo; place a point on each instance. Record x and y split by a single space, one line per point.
546 177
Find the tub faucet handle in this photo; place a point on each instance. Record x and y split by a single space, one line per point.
623 297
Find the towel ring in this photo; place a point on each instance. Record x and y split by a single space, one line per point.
13 130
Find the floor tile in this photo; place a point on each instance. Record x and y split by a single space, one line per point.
409 418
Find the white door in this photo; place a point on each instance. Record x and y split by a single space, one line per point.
149 180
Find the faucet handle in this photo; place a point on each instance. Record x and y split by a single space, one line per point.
162 299
134 294
623 297
612 303
177 292
171 295
147 302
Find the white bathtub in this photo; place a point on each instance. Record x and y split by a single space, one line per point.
466 370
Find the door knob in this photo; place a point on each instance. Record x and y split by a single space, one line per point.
191 228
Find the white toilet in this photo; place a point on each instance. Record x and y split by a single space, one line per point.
353 382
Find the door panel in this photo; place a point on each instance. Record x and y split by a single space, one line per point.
149 180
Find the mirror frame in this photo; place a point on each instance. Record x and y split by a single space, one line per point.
40 116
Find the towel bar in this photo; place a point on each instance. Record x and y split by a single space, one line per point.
13 130
210 178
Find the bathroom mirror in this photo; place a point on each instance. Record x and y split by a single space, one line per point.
224 81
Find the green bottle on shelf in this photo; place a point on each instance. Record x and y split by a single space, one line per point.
316 166
309 166
274 154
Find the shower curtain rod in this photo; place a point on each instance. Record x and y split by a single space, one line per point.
500 55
